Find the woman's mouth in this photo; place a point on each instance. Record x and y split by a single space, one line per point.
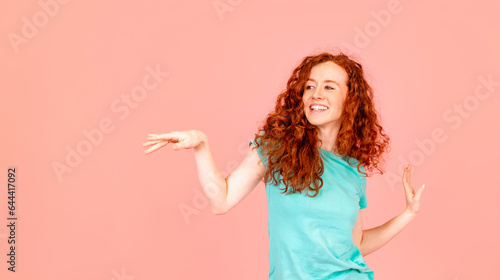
318 108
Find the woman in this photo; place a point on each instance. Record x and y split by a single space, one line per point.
312 152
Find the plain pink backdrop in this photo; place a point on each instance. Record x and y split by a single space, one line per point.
68 67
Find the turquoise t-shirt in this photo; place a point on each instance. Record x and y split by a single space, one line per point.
311 237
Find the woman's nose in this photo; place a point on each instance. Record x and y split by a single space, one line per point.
317 93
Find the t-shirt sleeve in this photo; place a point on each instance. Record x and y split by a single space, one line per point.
259 151
363 201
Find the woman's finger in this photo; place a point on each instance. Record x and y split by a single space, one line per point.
419 192
155 147
409 173
173 135
149 143
405 182
405 176
160 137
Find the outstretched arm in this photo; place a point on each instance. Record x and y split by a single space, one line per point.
222 193
373 239
212 181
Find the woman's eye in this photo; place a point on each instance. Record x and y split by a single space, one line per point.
329 87
307 87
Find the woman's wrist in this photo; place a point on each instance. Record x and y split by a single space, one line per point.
409 213
203 141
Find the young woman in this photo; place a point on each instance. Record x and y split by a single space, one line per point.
312 152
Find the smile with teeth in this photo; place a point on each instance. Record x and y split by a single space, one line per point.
318 108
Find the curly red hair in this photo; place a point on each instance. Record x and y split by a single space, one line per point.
290 142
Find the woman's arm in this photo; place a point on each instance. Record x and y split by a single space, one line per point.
226 193
373 239
222 193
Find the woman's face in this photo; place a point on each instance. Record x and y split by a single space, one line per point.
326 87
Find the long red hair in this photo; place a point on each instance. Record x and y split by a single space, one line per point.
290 142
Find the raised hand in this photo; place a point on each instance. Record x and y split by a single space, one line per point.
412 198
188 139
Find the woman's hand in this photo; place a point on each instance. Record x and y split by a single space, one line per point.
188 139
412 199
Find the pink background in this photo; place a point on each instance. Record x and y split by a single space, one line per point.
116 214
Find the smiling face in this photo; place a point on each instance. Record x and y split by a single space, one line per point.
324 95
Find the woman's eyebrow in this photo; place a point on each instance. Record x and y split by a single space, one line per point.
326 81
